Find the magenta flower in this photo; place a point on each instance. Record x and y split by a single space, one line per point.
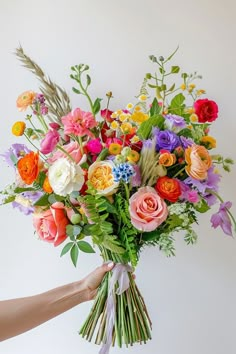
50 141
222 219
94 146
79 123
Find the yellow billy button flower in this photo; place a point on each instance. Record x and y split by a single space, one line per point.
135 139
208 141
126 128
142 98
137 108
192 86
123 117
114 125
119 112
139 117
200 92
18 128
193 118
115 149
183 87
129 106
133 156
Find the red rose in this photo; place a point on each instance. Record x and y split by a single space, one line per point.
168 188
206 110
106 114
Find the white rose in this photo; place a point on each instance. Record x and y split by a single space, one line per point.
65 177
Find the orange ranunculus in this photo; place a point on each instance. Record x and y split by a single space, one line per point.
167 159
168 188
18 128
25 100
198 161
46 186
28 167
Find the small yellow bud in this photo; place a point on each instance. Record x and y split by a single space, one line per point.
142 98
183 87
193 118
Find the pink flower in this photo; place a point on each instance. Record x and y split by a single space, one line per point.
54 125
73 149
147 209
106 114
50 141
50 225
79 123
110 141
94 146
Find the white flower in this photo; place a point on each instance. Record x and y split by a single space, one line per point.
101 177
65 177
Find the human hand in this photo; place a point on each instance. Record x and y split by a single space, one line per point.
92 281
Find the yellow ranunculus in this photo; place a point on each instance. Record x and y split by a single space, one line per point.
101 177
139 117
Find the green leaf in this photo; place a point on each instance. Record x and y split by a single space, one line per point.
162 87
152 86
171 56
41 178
73 230
21 189
8 199
74 253
175 69
43 201
103 154
113 246
202 206
29 132
53 198
97 106
145 128
88 78
155 108
85 247
171 88
177 104
185 132
66 248
151 236
75 90
184 75
153 58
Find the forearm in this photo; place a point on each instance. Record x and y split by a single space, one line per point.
20 315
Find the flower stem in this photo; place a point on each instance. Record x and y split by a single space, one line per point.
179 172
65 152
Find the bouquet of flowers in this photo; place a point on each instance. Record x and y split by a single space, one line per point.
117 180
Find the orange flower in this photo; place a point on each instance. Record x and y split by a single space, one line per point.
46 186
25 100
167 159
133 156
18 128
168 188
115 149
28 167
198 161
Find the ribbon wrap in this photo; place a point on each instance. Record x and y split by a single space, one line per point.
120 275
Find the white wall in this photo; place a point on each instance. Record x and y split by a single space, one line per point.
191 298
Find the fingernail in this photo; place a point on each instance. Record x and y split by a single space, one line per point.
110 265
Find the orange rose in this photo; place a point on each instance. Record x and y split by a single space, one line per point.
167 159
25 100
46 186
198 161
168 188
28 167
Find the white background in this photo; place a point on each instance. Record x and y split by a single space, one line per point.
191 298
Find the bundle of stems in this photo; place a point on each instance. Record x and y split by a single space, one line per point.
132 322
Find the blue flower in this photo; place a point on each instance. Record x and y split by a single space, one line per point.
123 172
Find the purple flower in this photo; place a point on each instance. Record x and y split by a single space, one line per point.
222 219
25 201
191 195
174 122
50 141
15 152
136 178
167 140
186 142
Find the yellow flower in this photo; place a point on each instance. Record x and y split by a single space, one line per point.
135 139
129 106
192 86
208 141
115 149
126 128
119 112
139 117
167 159
183 87
18 128
142 98
200 92
133 156
101 177
123 117
114 125
193 118
189 127
137 108
190 110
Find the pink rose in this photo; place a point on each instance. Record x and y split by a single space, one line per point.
94 146
72 148
147 209
50 225
50 141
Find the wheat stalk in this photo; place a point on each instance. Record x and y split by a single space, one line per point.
58 101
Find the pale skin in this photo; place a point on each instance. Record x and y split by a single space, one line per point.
20 315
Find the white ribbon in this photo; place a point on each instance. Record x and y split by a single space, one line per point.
120 275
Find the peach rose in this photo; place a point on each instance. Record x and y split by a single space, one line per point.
101 177
167 159
25 100
147 209
198 161
50 225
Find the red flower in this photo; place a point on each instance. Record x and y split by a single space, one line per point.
106 114
106 132
168 188
206 110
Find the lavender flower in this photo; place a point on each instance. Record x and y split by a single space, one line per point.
15 152
174 122
25 201
167 140
222 219
186 142
124 172
39 106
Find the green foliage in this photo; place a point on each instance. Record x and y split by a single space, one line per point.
127 232
155 108
177 104
85 247
190 237
97 105
202 206
145 128
43 201
74 253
